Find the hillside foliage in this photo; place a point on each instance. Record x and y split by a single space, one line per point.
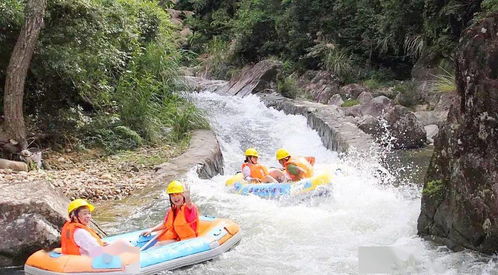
104 73
353 38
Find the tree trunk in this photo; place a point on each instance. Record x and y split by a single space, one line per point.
17 70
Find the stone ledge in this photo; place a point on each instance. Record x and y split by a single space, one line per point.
337 132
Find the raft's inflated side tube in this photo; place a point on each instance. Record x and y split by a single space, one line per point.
216 236
274 190
237 178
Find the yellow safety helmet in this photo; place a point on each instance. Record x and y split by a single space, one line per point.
281 154
251 152
77 203
175 187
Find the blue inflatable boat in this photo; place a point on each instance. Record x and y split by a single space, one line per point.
215 237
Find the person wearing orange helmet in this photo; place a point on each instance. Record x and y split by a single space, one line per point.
182 218
252 170
295 168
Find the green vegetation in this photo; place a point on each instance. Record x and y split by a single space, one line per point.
288 87
407 93
350 103
105 73
445 82
353 39
434 188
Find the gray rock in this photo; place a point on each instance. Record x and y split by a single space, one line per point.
365 97
352 91
460 196
353 111
32 214
425 69
398 126
431 117
254 79
431 131
336 131
335 100
446 100
369 125
405 128
321 85
377 106
204 153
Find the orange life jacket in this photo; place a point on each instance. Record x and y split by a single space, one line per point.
177 227
258 171
305 165
68 244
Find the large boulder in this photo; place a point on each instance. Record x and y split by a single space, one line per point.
377 106
32 215
460 195
388 122
446 100
260 77
404 127
335 100
398 127
431 117
365 97
352 91
320 85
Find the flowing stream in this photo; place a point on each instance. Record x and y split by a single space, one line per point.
317 236
321 236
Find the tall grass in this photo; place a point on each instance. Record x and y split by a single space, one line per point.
414 45
216 62
334 59
445 82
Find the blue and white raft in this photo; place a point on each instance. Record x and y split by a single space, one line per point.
318 185
215 237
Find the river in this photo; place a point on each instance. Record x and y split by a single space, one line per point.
369 205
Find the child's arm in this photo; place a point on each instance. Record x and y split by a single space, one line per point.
154 229
186 195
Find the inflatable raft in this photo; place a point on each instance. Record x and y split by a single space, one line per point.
216 236
318 185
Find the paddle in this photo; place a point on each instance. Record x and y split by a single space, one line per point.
147 244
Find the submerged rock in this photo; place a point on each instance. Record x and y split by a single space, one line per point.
460 195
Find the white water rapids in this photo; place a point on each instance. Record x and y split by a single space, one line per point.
321 236
318 237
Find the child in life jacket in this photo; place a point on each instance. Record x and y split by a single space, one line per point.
295 168
76 237
253 171
182 218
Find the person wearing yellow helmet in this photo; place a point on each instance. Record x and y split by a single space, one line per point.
182 218
295 168
76 237
252 170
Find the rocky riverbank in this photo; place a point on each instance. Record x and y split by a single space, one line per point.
34 204
97 177
374 119
460 196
